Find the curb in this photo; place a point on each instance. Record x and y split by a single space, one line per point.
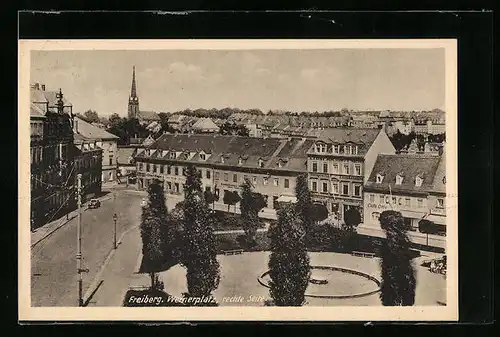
97 279
51 231
64 222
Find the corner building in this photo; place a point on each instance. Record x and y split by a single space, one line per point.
339 162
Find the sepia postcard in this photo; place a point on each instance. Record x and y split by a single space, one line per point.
262 180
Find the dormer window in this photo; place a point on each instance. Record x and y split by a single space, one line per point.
261 163
280 164
172 155
335 149
444 180
418 181
380 178
321 148
240 161
222 159
203 156
399 179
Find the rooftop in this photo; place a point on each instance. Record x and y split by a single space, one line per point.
89 131
409 166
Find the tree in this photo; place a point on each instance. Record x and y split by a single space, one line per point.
199 254
210 198
153 227
289 267
427 227
250 206
304 203
231 199
397 271
319 212
352 217
91 116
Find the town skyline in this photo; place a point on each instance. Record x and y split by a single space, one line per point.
303 80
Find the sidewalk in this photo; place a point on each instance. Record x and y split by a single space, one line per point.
111 284
46 230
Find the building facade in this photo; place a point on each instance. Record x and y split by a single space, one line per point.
338 164
105 141
52 173
88 163
412 184
272 165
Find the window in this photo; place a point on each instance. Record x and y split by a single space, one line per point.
254 180
387 199
208 174
335 168
203 156
357 190
172 155
375 216
418 181
264 181
372 198
226 177
335 149
381 199
147 167
335 188
217 192
420 203
347 149
208 189
399 179
235 178
379 178
217 175
345 188
169 170
325 187
440 203
183 171
394 199
261 163
240 161
287 183
222 159
176 189
355 150
357 169
407 202
276 182
161 169
314 186
325 167
315 167
169 186
176 171
346 169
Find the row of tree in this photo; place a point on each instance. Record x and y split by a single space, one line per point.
186 236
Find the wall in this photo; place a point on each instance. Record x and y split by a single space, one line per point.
381 145
110 151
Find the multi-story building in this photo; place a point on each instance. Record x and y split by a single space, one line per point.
272 165
88 163
339 162
104 140
52 155
412 184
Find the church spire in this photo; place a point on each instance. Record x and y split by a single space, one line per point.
133 92
133 101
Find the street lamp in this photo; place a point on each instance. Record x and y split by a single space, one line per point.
115 217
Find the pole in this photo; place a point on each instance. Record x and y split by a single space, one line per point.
79 242
114 236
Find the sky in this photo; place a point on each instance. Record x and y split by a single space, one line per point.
292 80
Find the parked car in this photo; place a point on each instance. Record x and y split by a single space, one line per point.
94 203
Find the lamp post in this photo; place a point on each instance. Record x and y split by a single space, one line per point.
115 217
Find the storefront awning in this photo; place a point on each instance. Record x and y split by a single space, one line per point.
437 219
286 198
